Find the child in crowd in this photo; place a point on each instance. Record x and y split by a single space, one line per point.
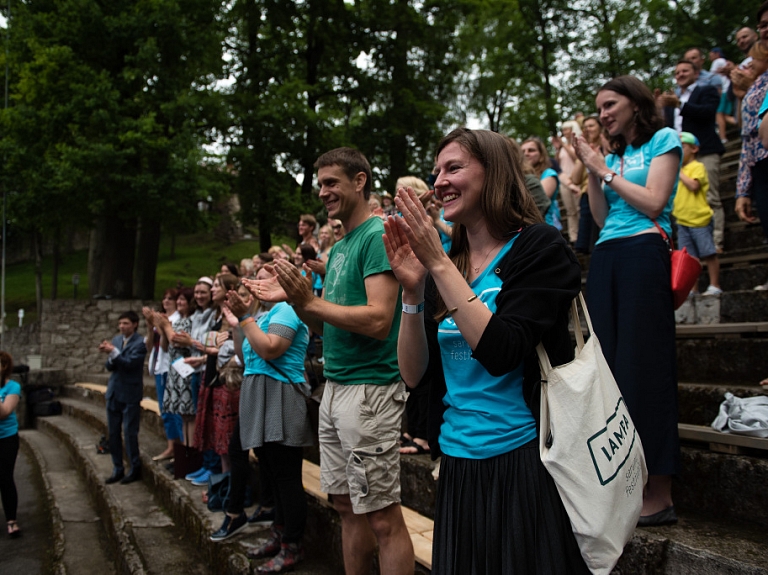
693 214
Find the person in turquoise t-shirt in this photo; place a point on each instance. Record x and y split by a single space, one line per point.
629 292
10 391
364 398
535 152
471 322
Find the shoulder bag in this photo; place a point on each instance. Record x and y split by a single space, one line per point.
590 447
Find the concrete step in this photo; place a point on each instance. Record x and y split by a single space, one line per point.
741 235
144 537
38 551
739 271
80 543
699 403
707 355
727 308
183 501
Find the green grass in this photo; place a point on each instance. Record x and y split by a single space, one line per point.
195 256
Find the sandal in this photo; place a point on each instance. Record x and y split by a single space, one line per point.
13 529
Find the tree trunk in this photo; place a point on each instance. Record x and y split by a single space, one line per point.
37 246
56 262
111 257
148 248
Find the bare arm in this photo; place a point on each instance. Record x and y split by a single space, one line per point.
550 185
7 406
690 183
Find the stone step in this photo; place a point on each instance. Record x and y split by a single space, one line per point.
144 536
750 271
183 501
73 517
731 354
39 550
740 235
699 403
730 307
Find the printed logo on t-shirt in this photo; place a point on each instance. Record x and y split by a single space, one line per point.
337 267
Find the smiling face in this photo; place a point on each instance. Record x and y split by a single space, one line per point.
169 304
182 306
685 75
202 295
592 130
304 228
531 152
616 113
459 184
218 293
340 194
745 38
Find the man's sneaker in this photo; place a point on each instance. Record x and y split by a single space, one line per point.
289 556
230 526
269 548
762 287
202 479
712 290
192 476
262 516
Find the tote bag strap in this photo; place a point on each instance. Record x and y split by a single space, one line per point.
544 363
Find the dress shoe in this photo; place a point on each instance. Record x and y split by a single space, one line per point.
664 517
115 477
134 475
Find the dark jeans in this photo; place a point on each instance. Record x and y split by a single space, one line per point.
588 230
9 449
125 415
281 469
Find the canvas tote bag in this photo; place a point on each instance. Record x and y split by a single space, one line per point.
590 447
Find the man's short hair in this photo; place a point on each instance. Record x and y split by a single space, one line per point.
699 50
130 315
309 219
684 61
351 161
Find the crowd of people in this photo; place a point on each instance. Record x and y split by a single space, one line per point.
444 290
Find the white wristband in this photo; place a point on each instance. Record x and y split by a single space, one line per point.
413 309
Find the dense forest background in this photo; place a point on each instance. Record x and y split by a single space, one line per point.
125 119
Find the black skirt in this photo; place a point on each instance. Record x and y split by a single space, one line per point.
502 516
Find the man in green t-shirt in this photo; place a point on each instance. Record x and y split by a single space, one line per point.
364 397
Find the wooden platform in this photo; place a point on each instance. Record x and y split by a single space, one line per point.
722 442
722 329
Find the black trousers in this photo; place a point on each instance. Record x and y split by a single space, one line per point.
280 475
9 449
127 416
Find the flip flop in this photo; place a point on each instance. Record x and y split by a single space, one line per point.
419 449
13 530
404 439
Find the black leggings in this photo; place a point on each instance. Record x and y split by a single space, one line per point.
9 449
281 468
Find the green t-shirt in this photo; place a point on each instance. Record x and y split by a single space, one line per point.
351 358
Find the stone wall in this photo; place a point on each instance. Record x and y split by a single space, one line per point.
72 331
20 342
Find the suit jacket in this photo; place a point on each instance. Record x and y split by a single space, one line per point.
698 115
126 383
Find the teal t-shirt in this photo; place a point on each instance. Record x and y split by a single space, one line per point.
552 217
9 426
283 321
486 416
351 358
623 220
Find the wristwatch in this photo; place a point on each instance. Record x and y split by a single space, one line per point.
608 178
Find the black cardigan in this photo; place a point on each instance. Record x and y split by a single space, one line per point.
541 277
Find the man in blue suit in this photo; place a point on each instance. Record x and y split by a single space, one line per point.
124 393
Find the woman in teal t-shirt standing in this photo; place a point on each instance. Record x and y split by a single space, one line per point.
629 291
10 391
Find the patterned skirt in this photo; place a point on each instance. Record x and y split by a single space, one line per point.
217 410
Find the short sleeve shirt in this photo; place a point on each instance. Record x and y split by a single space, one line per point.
552 217
283 321
486 415
623 220
352 358
10 425
691 208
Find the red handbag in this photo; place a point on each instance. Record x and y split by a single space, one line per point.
686 270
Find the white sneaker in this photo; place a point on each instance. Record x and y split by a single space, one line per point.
712 290
762 287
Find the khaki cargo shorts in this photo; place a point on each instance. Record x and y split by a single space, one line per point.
359 450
